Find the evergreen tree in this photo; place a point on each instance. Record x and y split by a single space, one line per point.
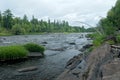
7 19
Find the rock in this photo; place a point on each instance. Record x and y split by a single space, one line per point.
111 70
44 43
66 75
35 55
72 63
76 71
72 43
89 69
85 47
32 68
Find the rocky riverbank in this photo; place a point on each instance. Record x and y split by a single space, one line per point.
101 64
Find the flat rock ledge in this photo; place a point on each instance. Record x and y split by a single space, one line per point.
35 55
27 69
100 64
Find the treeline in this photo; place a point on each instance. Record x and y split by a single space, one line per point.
108 28
16 25
111 23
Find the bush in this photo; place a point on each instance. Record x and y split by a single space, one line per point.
98 40
17 29
118 38
12 52
111 42
32 47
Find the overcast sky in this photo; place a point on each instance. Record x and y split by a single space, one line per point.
89 11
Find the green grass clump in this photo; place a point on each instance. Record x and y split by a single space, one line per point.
12 52
118 38
32 47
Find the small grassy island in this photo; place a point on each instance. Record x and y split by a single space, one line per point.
19 51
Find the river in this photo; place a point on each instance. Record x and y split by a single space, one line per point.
59 49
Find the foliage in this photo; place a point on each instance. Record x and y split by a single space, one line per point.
111 23
111 42
106 26
7 19
109 26
17 29
118 38
12 52
17 25
32 47
4 32
98 39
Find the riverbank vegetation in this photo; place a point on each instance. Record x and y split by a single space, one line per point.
19 51
9 24
108 27
12 52
32 47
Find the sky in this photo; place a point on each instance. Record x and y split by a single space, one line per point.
73 11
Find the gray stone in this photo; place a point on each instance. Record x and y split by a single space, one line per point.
27 69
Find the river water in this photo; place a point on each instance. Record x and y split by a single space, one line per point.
59 49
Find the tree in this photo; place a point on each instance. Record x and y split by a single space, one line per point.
114 15
111 23
25 19
17 29
106 26
34 20
1 20
7 19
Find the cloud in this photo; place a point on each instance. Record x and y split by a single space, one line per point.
77 10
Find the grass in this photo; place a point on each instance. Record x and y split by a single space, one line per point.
32 47
12 52
5 34
19 51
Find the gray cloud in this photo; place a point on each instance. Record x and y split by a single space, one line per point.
88 11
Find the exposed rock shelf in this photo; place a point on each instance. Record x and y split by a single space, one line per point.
101 64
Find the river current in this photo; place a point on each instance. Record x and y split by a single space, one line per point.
59 49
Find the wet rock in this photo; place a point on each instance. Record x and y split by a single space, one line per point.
32 68
72 43
85 47
72 63
88 69
44 43
58 49
35 55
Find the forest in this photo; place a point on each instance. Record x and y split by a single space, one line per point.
9 24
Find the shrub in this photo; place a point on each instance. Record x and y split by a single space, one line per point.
118 38
17 29
12 52
32 47
98 40
111 42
